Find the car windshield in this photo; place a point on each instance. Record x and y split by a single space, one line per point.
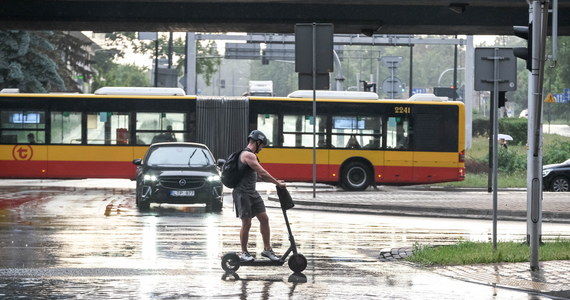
176 156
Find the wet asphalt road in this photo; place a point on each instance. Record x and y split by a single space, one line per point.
94 244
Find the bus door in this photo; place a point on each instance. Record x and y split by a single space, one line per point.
435 144
398 158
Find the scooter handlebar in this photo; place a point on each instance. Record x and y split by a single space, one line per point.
285 198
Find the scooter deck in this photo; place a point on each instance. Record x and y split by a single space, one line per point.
262 263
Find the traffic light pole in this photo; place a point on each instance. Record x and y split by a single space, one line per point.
495 122
539 21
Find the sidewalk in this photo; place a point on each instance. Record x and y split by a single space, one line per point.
551 280
427 201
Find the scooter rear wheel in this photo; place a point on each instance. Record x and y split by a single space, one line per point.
230 262
297 263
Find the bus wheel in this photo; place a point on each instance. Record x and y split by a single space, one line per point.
356 176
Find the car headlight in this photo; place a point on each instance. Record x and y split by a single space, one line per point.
546 172
214 178
150 178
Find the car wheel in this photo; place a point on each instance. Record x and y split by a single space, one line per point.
141 205
560 184
215 205
356 176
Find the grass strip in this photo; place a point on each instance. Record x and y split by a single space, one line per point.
466 253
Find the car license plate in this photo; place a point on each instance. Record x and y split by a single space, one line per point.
182 193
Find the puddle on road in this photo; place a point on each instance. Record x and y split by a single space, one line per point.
174 251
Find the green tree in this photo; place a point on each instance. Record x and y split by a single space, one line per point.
44 61
127 75
207 67
557 78
26 62
281 73
72 58
113 74
204 49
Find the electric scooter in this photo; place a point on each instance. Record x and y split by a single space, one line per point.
297 263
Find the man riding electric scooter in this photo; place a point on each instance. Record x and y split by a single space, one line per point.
247 200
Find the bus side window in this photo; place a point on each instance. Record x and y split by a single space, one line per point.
18 126
267 123
298 131
154 127
398 135
65 127
102 127
357 132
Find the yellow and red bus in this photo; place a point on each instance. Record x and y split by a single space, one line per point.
360 140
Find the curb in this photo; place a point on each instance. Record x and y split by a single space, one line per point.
441 212
114 190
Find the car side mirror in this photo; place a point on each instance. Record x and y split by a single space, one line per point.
137 161
221 162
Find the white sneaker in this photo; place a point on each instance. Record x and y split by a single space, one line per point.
245 256
270 254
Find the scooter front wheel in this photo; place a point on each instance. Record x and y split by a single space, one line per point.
230 262
297 263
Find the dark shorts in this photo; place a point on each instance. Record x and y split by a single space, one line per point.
247 205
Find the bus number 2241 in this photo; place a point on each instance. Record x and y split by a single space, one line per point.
402 110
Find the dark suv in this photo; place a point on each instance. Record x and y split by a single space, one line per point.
556 177
182 173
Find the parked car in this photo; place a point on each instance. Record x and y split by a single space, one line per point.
556 177
180 173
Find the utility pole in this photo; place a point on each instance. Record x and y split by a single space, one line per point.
534 55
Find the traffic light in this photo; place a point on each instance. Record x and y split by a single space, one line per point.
502 99
368 86
264 60
524 32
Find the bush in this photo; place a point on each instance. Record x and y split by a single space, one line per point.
480 127
556 152
511 161
515 127
476 166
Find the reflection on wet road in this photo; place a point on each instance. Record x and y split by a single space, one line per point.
95 244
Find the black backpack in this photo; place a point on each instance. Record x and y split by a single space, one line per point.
231 172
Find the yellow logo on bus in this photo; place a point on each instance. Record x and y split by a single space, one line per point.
22 152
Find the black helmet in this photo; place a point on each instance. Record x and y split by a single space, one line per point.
257 135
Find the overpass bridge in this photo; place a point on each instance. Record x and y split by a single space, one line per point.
445 17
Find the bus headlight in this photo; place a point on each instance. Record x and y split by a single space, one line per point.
214 178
